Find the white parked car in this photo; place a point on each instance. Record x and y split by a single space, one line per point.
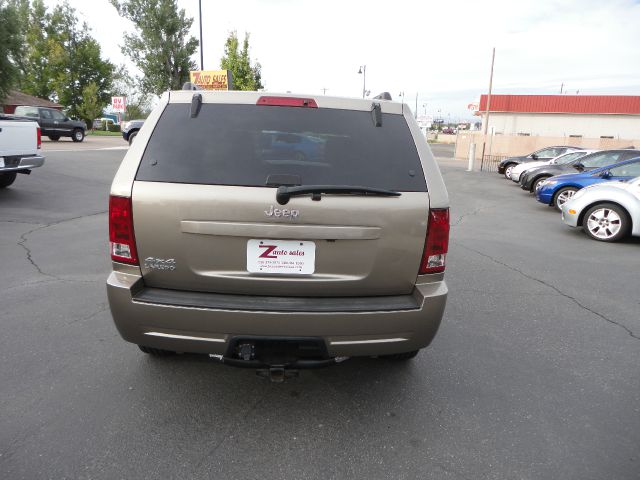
606 211
559 160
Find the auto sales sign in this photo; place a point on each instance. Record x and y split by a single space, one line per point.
212 79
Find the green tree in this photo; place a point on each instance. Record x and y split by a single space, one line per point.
11 46
92 105
161 47
244 76
40 42
61 58
76 60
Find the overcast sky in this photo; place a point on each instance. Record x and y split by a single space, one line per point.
440 50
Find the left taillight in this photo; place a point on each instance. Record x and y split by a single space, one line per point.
39 138
437 243
122 240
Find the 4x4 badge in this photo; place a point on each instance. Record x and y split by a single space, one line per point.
282 212
160 263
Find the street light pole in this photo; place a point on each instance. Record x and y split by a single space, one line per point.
363 71
201 54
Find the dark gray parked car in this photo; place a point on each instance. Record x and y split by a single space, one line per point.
53 123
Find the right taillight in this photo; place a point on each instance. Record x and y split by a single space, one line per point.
122 240
437 242
39 138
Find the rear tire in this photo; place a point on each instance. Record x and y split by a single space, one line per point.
562 196
132 136
54 138
7 179
77 135
401 356
507 170
156 352
606 222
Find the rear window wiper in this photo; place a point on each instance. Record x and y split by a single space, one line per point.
284 193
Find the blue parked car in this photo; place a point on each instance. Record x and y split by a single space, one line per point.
555 191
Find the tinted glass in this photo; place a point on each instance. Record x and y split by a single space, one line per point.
245 144
628 170
629 154
568 157
550 152
57 115
45 114
600 159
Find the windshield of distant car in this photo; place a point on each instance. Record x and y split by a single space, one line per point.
568 157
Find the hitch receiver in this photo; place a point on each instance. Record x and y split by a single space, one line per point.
277 374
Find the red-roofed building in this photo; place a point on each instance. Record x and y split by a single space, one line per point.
587 116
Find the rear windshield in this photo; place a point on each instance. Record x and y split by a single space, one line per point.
249 144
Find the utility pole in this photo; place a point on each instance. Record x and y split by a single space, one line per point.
363 71
486 117
561 87
324 90
201 53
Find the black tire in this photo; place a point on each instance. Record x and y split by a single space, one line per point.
132 136
77 135
562 196
156 352
401 356
599 222
507 170
54 138
536 182
7 179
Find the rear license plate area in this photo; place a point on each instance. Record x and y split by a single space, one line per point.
292 257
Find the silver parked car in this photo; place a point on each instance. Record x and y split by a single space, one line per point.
562 159
607 211
278 231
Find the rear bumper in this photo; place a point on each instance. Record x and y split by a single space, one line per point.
24 163
207 323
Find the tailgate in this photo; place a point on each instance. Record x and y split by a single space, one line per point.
199 237
18 138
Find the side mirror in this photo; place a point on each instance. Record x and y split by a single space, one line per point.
579 166
605 174
534 156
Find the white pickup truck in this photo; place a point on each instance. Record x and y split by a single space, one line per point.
20 144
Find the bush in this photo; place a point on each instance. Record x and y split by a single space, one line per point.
113 128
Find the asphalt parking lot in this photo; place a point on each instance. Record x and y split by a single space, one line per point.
533 375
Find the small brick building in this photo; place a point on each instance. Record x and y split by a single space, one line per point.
16 98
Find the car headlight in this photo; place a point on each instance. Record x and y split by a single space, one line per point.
548 182
125 126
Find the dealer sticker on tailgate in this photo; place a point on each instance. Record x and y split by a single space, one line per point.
281 256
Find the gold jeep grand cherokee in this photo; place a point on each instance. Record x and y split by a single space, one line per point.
278 231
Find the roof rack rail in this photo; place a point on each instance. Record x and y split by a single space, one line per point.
383 96
190 86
